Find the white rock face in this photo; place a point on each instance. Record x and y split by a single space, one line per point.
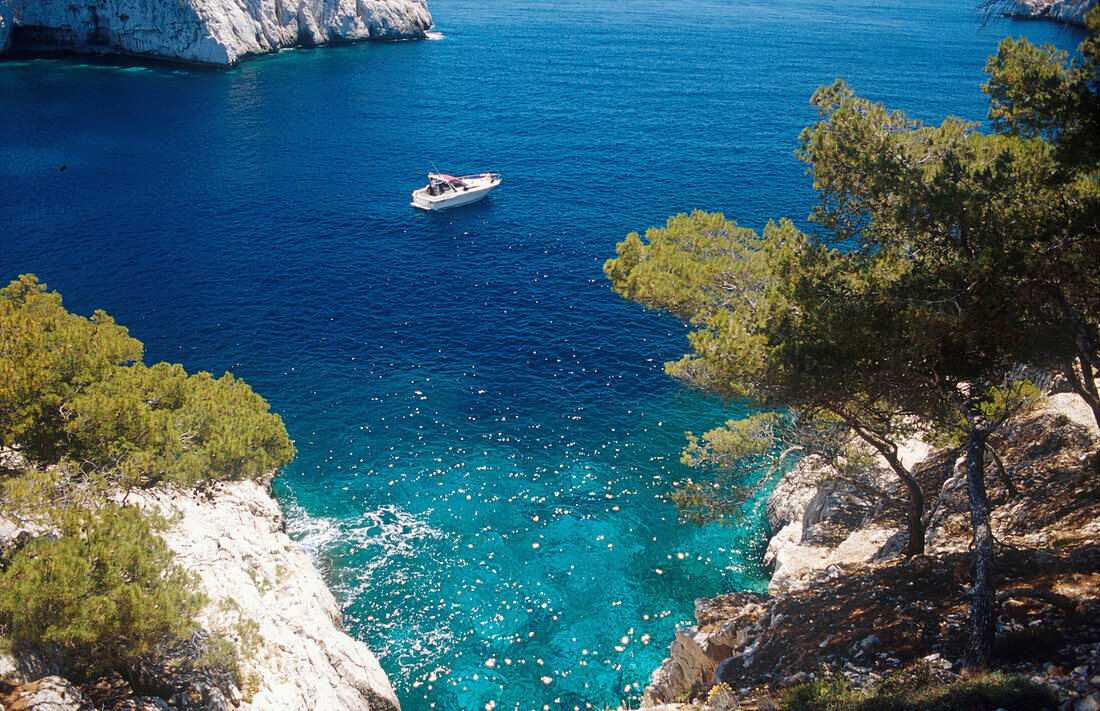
51 693
259 582
1069 11
807 495
5 26
794 492
220 32
1073 407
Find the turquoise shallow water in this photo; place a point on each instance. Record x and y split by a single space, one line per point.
485 435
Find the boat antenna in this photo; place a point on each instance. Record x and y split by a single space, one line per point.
434 168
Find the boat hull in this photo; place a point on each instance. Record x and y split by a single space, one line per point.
477 187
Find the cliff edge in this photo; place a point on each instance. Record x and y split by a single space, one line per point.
215 32
264 595
1071 12
845 608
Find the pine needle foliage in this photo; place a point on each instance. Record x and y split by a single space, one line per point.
942 259
100 595
75 394
82 421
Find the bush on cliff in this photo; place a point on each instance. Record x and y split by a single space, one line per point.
150 425
47 357
83 420
74 393
100 595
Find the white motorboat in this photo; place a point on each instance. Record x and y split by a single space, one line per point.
443 191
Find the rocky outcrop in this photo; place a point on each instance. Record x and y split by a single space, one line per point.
820 520
1071 12
697 651
264 595
218 32
268 598
798 503
50 693
840 599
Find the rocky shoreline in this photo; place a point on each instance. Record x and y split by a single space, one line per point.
1070 12
208 32
264 595
842 599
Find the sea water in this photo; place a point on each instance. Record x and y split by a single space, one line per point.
485 434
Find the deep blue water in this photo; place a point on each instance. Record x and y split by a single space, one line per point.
485 434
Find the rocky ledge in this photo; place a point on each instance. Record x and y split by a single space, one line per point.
1071 12
842 600
264 595
216 32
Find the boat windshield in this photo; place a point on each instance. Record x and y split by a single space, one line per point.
445 179
439 187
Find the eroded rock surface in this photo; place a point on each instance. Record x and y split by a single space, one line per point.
697 651
844 601
50 693
1069 11
266 595
219 32
820 521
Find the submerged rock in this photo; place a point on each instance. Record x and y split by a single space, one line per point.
219 32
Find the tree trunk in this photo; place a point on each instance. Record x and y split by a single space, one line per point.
914 515
914 518
1084 385
983 609
1087 355
1010 486
983 602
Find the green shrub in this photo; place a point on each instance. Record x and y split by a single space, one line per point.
825 693
73 391
100 595
150 425
218 659
89 419
47 355
916 688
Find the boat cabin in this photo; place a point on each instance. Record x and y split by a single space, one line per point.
443 184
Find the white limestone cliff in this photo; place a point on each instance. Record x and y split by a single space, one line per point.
1069 11
266 595
218 32
5 26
